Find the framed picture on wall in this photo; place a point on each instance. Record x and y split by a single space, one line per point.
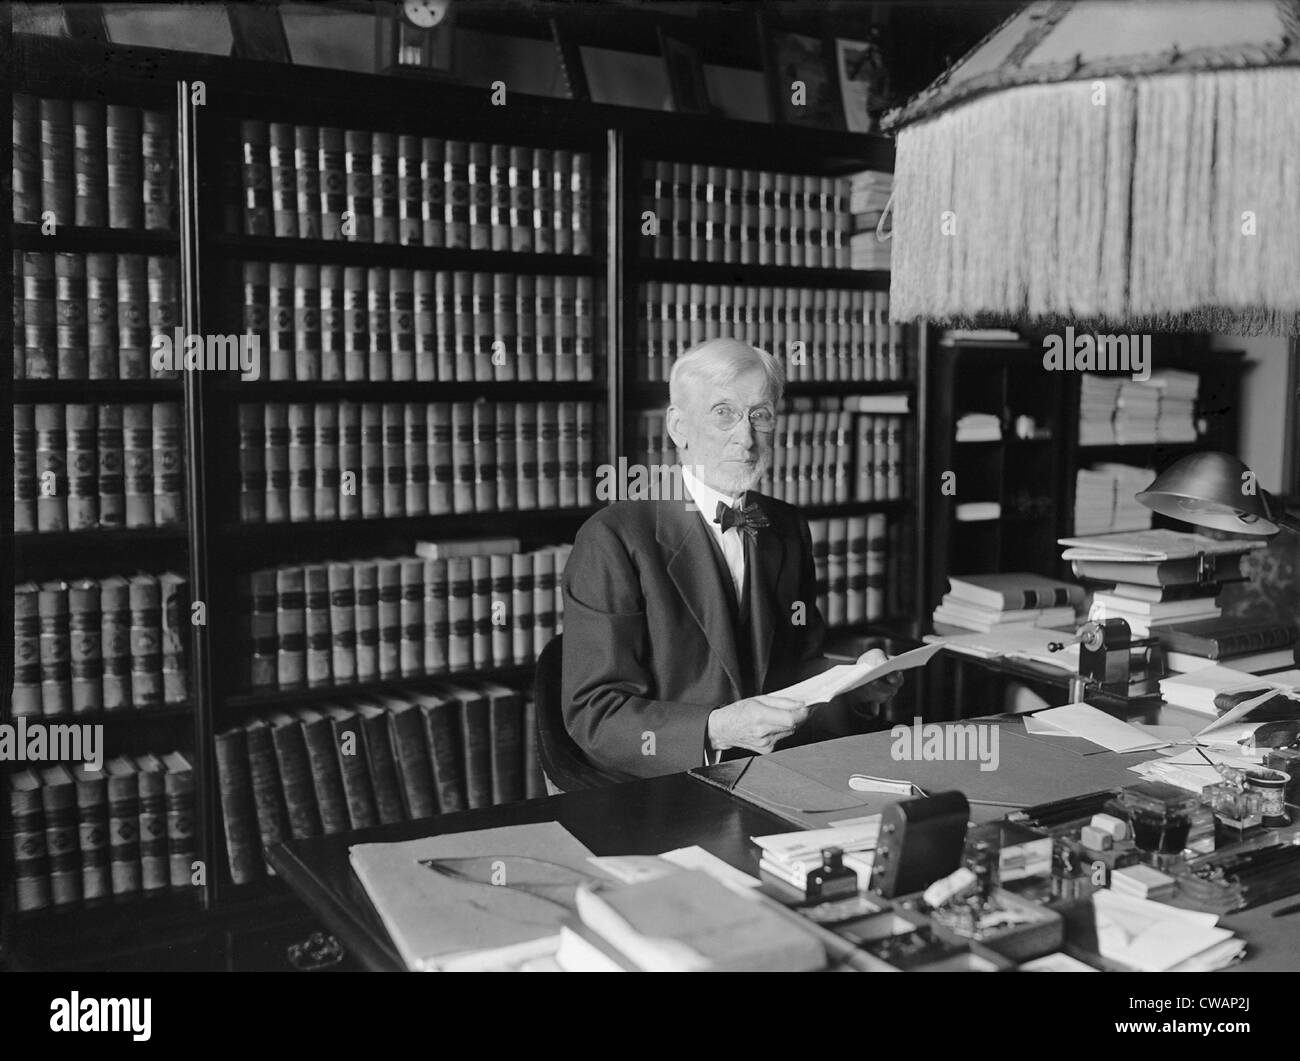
258 33
863 83
690 92
801 81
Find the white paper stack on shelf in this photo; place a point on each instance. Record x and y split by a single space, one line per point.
1097 400
1136 411
1176 421
791 856
977 511
1130 513
1094 502
978 427
1152 937
869 193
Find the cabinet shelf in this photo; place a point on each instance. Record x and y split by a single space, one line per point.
670 270
262 699
28 237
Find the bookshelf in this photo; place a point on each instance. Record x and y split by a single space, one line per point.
218 548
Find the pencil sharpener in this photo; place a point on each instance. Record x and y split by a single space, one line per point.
1112 660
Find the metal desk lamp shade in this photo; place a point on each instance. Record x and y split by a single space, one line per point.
1216 490
1133 166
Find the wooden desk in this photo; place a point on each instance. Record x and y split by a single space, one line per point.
638 818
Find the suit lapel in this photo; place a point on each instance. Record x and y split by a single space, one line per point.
694 572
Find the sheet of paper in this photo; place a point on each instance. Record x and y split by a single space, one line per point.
848 676
696 857
1018 642
1084 720
1043 727
806 845
1151 936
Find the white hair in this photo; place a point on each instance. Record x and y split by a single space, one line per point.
719 361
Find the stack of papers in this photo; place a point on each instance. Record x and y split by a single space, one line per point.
791 856
1105 499
1137 410
1152 937
1176 421
1097 400
977 511
978 427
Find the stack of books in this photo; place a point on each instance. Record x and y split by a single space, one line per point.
1105 499
1097 400
978 427
986 602
1176 421
869 194
366 761
1161 580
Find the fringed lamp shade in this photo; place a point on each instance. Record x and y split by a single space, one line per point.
1134 166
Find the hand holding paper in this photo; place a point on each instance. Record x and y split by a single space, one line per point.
849 676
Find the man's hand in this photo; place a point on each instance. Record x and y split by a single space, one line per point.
882 688
757 723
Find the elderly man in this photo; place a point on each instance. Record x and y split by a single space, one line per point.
681 615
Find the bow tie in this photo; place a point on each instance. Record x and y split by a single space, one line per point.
749 519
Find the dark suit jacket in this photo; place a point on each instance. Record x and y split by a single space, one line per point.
649 642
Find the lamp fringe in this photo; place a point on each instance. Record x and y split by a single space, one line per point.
1175 205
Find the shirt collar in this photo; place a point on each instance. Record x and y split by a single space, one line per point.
705 497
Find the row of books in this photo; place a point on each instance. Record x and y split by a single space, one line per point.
824 452
370 761
1014 598
1114 410
1105 499
755 217
819 334
319 182
89 834
91 316
303 461
335 322
106 644
318 625
77 467
852 558
84 162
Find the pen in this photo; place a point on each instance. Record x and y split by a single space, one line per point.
1293 909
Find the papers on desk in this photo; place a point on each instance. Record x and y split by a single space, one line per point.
634 869
1153 937
849 676
1196 691
790 856
1189 769
1016 642
519 881
1083 720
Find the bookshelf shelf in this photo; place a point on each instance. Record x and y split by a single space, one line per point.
99 390
70 239
351 252
102 537
125 716
408 390
260 699
667 269
398 526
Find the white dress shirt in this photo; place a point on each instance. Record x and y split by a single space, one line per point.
733 545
